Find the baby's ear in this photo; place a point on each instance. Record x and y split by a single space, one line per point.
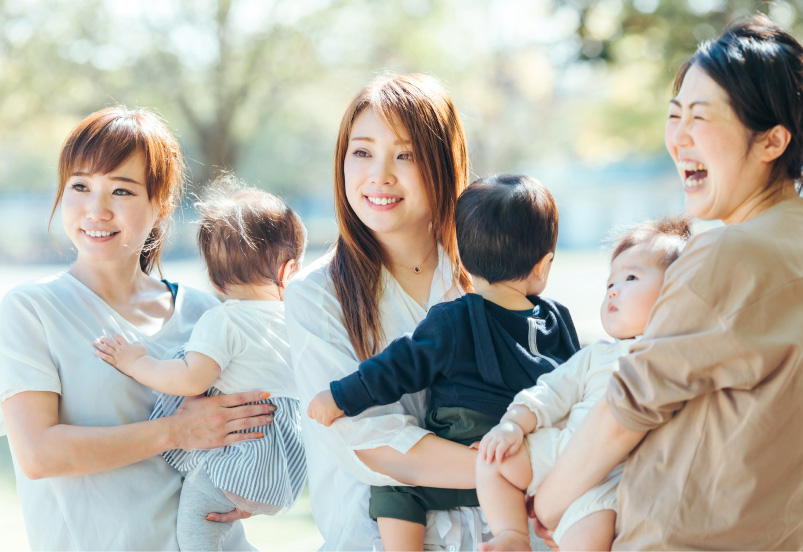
541 270
287 270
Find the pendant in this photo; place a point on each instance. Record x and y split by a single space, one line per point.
417 270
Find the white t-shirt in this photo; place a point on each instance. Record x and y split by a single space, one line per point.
48 328
339 481
248 340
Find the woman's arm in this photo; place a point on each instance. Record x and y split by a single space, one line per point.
322 353
597 446
431 462
45 448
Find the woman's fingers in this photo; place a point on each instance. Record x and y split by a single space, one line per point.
240 424
238 399
234 515
543 533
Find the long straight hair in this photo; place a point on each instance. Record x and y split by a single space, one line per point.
420 105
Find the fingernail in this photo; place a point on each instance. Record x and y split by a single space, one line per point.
210 518
264 395
260 435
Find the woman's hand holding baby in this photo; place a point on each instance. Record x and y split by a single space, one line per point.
118 352
323 408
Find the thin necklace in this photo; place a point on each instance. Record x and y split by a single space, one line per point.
417 269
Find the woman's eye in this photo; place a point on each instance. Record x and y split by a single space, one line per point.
78 187
630 278
360 153
406 156
122 192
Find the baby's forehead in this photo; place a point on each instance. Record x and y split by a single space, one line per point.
649 254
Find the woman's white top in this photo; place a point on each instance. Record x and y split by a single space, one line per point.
339 481
48 328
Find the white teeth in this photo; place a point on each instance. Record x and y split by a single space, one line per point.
383 200
694 182
97 233
690 166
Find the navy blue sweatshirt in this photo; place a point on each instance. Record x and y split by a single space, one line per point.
469 352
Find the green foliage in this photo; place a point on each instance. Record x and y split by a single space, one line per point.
258 86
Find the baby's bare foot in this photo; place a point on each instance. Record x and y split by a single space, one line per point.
507 540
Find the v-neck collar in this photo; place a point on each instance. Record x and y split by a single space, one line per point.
124 321
441 283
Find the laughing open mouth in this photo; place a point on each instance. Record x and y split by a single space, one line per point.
694 174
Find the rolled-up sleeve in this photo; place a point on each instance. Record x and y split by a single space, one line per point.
321 353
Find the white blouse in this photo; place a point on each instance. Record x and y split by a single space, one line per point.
46 345
339 481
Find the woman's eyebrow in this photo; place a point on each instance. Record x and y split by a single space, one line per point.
367 139
114 177
674 101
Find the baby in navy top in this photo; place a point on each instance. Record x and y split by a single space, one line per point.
474 354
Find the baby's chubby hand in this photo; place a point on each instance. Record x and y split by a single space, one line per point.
503 440
118 352
323 408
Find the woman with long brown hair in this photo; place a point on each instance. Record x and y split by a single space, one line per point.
400 164
89 474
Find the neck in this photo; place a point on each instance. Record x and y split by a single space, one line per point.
259 292
411 250
511 295
762 201
113 281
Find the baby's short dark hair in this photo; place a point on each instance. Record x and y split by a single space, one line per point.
505 225
246 234
668 235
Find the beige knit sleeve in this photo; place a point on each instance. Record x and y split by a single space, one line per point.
715 326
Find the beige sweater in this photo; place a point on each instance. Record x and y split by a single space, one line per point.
718 379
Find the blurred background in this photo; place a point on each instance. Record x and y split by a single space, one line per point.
574 93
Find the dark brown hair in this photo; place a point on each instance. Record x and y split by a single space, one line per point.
506 223
105 140
420 105
760 67
668 235
246 235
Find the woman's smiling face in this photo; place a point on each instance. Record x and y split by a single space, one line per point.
383 182
109 216
719 164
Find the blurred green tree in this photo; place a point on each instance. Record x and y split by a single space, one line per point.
258 86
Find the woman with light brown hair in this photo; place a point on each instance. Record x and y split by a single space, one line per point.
400 165
87 459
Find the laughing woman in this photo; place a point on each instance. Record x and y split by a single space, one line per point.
714 387
89 474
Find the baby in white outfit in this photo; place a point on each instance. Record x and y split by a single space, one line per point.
544 417
252 243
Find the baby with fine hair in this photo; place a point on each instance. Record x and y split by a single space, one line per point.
516 455
253 243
